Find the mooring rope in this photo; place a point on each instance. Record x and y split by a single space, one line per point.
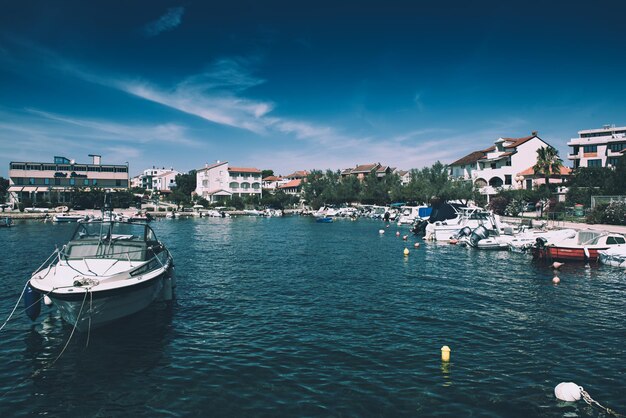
592 402
16 305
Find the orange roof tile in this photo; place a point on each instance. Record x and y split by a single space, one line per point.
244 170
292 183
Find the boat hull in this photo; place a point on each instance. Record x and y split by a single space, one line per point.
568 253
97 308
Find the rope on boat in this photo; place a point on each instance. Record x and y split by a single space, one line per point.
15 307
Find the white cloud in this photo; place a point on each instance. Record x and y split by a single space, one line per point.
169 21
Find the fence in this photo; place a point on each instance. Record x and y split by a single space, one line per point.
596 200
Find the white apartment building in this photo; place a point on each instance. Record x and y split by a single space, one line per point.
598 147
501 165
162 179
218 182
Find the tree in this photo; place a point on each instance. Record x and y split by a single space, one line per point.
4 186
548 163
266 173
186 183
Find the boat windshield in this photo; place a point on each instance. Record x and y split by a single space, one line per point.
133 242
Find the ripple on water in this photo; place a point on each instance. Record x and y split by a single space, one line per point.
290 317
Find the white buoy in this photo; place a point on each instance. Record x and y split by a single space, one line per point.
556 280
47 301
416 245
556 265
381 231
397 233
567 391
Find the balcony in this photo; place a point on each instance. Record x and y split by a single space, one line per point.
573 156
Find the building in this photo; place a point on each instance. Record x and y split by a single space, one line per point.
297 175
218 182
294 187
598 147
363 170
501 165
45 181
405 176
161 179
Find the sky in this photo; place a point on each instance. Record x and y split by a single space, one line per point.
300 85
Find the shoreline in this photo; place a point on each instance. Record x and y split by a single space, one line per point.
549 224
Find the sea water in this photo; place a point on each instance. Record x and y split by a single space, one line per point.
289 317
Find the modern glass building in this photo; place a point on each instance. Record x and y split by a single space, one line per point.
40 181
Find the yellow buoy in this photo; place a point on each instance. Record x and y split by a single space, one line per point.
445 353
406 251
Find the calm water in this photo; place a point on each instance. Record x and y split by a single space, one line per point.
287 317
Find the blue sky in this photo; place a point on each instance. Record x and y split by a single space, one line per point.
298 85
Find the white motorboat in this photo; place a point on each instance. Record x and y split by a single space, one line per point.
523 242
614 256
68 217
107 271
466 217
410 214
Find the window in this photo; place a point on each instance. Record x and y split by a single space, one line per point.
507 179
612 161
508 162
86 182
19 180
118 183
493 165
50 167
18 167
72 182
64 168
590 148
594 163
46 181
615 240
617 147
57 181
529 184
93 168
31 181
80 168
94 182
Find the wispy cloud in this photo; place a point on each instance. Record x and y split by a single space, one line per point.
169 21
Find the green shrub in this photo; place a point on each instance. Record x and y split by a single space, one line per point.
498 205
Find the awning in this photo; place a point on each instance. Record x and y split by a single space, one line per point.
16 188
43 189
29 189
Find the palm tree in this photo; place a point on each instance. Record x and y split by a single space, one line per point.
548 163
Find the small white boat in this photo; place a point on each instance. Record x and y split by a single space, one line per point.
68 217
614 256
107 271
466 217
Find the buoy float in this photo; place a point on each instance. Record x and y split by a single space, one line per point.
445 353
416 245
406 251
556 265
47 301
567 391
556 280
405 237
381 231
32 303
387 225
397 233
454 241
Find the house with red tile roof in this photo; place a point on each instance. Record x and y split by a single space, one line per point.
294 187
501 165
218 182
363 170
297 175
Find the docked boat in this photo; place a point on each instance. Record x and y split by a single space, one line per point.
107 271
525 241
465 217
5 222
584 246
324 220
614 256
67 217
410 214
